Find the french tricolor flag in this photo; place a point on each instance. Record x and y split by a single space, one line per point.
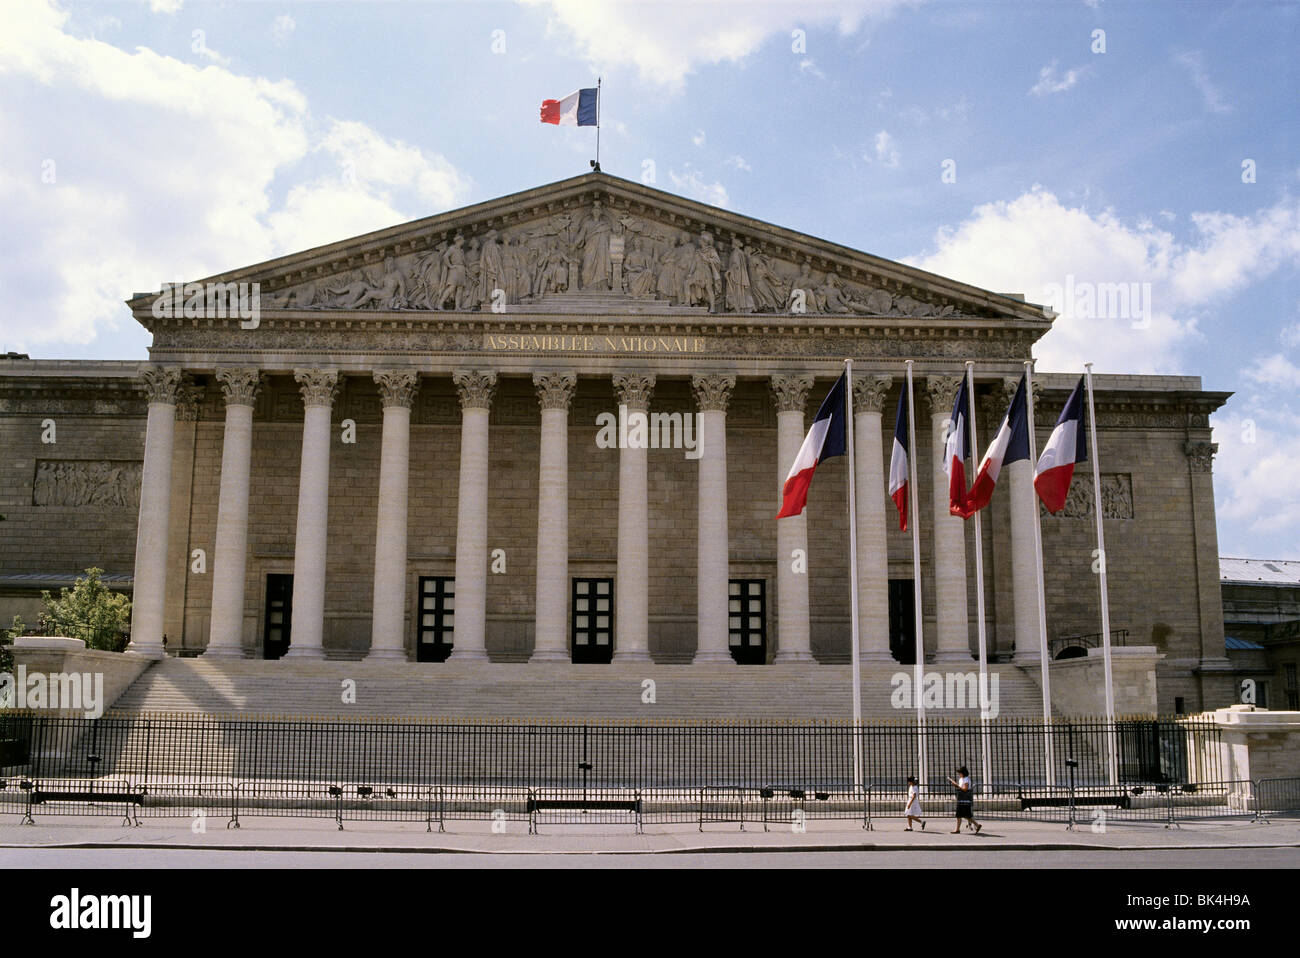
1009 445
898 462
956 453
1064 448
577 109
825 439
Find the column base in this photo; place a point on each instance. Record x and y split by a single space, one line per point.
550 655
301 652
147 650
713 658
791 658
1026 658
386 655
468 655
877 658
223 652
952 656
637 655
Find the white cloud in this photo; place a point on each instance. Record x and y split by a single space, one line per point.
738 162
690 182
1194 62
282 27
809 65
1049 82
1256 506
666 48
1275 370
1037 246
698 138
133 215
886 150
165 6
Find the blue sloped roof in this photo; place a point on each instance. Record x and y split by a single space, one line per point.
1240 645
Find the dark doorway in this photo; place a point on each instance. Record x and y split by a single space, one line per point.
279 611
747 620
592 616
437 618
902 621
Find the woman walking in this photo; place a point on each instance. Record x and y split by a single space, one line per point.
965 801
913 809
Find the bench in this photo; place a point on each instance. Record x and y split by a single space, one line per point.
1064 801
41 796
535 805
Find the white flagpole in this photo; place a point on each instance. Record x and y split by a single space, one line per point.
598 91
1101 580
853 578
979 591
919 668
1038 565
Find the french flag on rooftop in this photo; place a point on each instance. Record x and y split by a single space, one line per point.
825 439
956 452
1009 445
577 109
1064 448
898 462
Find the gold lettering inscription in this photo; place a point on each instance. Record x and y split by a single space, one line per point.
532 343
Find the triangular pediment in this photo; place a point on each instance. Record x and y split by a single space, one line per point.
597 243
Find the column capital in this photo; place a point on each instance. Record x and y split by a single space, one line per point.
869 393
239 384
1200 455
634 389
555 389
713 391
188 399
1011 383
320 387
941 391
476 387
397 387
791 392
161 383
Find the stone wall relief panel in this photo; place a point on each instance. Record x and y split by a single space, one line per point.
102 483
1116 498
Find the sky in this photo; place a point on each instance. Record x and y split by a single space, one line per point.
1023 147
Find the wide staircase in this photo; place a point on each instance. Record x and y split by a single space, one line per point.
542 691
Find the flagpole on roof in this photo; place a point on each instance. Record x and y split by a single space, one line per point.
597 124
919 667
1101 579
853 579
1044 659
979 592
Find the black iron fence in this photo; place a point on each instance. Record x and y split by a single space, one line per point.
774 773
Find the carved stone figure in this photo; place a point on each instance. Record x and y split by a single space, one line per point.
739 296
593 237
104 484
638 267
491 271
768 290
704 282
454 277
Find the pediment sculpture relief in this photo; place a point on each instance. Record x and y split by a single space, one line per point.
596 252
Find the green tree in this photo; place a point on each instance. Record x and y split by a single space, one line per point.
89 611
17 628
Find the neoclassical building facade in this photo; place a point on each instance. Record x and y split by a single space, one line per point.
554 427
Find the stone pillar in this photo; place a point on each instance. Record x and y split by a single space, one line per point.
319 388
179 554
1022 502
148 599
872 494
476 388
952 619
1217 679
632 583
388 630
713 562
794 634
554 392
230 549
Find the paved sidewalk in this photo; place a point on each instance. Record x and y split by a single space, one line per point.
478 837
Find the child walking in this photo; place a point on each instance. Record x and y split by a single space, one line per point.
913 809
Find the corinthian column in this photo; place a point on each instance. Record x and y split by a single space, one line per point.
230 550
476 388
319 388
1023 502
712 393
632 585
952 625
870 492
793 632
161 384
554 392
388 632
